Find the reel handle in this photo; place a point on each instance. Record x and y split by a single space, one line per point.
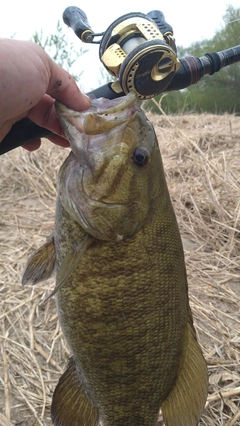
76 19
167 74
158 17
192 69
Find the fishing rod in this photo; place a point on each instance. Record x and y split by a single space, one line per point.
139 51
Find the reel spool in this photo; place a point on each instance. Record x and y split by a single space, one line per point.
139 50
134 50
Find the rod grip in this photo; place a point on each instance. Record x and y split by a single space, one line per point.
25 130
21 133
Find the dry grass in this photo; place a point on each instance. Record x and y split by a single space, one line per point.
202 163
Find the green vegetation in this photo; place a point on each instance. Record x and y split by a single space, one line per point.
216 93
60 49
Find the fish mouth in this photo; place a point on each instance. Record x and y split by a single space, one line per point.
102 140
101 117
101 105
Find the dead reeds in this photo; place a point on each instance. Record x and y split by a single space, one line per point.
201 155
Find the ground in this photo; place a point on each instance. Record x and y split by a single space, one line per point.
201 159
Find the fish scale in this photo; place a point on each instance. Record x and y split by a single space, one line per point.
121 285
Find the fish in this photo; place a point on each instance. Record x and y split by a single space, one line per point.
121 284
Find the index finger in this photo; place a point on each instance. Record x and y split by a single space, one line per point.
63 87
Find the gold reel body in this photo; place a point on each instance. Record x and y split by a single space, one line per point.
134 50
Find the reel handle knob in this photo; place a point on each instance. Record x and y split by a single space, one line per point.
158 17
76 19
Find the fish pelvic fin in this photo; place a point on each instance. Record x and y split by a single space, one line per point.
70 404
41 264
186 401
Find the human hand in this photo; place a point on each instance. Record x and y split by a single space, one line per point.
30 81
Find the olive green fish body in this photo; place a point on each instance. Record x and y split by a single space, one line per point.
124 311
122 297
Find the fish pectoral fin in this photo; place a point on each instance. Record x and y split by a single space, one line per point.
70 403
70 262
41 264
72 258
186 401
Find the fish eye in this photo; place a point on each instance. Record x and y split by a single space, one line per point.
140 157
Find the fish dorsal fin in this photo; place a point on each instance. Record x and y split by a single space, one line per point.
70 403
186 401
70 262
41 264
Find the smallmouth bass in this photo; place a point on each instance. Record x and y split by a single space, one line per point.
121 285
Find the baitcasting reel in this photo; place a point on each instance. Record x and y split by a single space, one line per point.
137 49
